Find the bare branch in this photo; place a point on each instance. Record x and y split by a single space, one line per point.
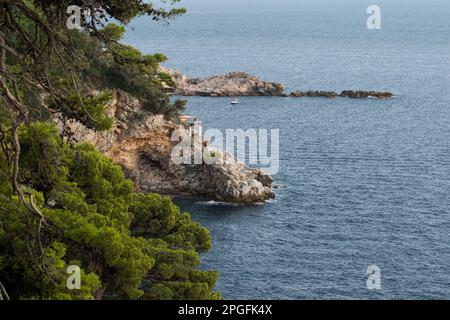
10 50
3 292
15 175
2 52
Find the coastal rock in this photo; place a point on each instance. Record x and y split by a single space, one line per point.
324 94
142 146
232 84
366 94
346 93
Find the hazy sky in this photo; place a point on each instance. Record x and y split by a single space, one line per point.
212 6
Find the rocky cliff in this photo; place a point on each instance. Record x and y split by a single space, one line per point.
141 144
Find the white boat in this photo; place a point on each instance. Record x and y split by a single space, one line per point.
235 101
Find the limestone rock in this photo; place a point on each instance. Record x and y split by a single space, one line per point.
232 84
325 94
360 94
366 94
142 146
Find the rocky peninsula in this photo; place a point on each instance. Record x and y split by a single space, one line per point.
241 84
141 143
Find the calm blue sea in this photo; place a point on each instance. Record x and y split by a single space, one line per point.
368 181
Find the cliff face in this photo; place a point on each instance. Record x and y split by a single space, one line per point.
234 84
141 144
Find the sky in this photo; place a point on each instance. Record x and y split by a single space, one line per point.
221 6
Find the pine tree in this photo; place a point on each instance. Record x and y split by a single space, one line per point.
62 204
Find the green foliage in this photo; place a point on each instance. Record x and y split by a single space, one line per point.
90 111
112 33
128 245
139 75
90 60
152 214
42 159
56 269
167 79
121 10
111 65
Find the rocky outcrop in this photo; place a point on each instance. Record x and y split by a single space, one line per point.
141 144
324 94
234 84
237 84
347 93
366 94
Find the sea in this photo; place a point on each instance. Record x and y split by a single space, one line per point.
362 208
